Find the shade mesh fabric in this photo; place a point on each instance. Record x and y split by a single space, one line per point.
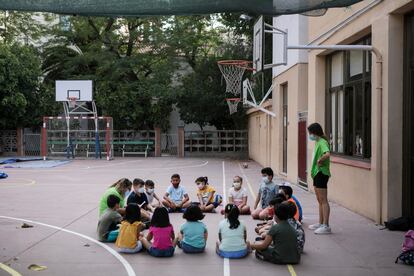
171 7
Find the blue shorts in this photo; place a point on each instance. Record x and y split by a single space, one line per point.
111 236
190 249
233 254
155 252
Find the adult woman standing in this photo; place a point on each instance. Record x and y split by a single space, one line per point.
120 189
320 174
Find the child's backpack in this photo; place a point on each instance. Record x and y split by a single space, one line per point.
400 224
407 255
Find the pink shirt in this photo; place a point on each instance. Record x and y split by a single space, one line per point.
162 236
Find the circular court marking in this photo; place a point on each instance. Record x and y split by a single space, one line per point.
18 181
127 266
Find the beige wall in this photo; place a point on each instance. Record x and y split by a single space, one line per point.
373 189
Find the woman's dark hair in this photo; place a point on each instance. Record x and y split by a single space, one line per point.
132 213
193 213
112 200
292 209
232 215
317 130
282 211
267 171
149 183
203 179
287 190
160 217
138 181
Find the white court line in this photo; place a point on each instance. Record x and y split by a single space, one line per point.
226 262
127 266
9 270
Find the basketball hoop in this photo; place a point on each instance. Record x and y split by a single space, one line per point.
72 101
233 71
232 103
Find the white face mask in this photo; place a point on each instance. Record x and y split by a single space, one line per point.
150 191
200 186
266 179
141 190
236 185
127 193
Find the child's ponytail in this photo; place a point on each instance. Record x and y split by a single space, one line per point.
203 179
233 213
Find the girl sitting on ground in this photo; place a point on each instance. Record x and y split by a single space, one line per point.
205 195
232 242
162 232
193 234
238 196
130 230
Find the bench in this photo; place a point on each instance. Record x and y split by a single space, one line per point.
135 147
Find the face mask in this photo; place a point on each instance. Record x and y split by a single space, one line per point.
150 191
200 186
126 195
141 190
312 137
266 179
237 185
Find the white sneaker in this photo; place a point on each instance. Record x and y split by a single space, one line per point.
324 229
314 226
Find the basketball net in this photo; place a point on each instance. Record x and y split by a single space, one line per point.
72 101
232 103
233 71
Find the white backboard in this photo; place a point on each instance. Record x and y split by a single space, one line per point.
81 89
258 44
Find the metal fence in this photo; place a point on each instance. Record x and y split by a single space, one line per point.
8 142
169 144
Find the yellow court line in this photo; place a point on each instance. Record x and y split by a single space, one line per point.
289 267
10 270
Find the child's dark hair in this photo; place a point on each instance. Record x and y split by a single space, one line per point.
160 217
176 175
138 181
278 199
292 209
203 179
232 215
149 183
193 213
287 190
132 213
267 171
316 129
282 211
112 200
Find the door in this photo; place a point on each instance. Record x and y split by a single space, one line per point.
285 126
302 145
408 121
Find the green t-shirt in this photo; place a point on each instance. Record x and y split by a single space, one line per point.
103 203
284 248
321 147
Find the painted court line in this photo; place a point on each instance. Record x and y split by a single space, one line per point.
289 267
127 266
9 270
226 261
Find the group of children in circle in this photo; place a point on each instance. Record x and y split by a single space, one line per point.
128 209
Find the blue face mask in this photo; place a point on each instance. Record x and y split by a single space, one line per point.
265 179
312 137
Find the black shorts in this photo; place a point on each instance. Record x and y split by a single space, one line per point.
320 181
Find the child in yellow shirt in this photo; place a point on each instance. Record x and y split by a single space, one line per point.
205 195
130 230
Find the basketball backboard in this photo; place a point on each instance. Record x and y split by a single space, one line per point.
79 89
258 44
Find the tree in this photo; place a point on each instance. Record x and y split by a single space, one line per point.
20 94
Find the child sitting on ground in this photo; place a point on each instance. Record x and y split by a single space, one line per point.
138 197
238 196
150 193
176 198
162 232
300 234
263 228
288 192
280 244
232 241
205 195
130 230
268 189
108 223
193 234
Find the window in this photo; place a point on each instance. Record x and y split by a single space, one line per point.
285 126
349 102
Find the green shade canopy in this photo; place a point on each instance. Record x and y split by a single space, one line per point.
170 7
